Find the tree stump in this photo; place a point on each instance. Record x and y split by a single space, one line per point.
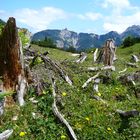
11 60
107 54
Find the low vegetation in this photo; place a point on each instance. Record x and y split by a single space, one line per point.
90 119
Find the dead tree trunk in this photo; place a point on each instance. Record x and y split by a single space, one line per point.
11 60
107 54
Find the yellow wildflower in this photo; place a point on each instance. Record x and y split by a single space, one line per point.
64 94
87 118
109 129
22 134
63 137
99 94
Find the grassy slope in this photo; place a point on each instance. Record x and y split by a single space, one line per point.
90 119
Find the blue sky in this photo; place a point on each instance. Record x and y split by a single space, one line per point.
92 16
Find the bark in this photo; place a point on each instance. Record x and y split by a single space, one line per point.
107 54
11 59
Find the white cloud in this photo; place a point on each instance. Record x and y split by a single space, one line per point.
117 6
90 16
116 3
120 23
39 19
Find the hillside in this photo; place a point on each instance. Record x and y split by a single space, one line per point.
82 41
90 119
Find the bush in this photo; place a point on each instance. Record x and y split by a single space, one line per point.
47 42
128 41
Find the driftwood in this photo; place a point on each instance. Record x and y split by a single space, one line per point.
90 79
11 60
95 55
135 58
82 57
107 54
59 115
108 68
53 64
134 65
101 68
6 134
128 114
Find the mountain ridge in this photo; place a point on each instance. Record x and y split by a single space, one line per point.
82 41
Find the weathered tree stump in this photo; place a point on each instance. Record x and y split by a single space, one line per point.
11 60
107 54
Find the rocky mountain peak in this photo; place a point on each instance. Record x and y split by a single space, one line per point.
65 38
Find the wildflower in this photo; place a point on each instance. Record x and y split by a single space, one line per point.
63 137
109 129
22 134
64 94
87 118
99 94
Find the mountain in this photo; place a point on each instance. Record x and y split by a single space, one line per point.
131 31
82 41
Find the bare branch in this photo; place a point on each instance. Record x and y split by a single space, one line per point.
59 115
90 79
6 134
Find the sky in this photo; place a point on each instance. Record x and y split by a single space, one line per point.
91 16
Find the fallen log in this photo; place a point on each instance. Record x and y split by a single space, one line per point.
59 115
